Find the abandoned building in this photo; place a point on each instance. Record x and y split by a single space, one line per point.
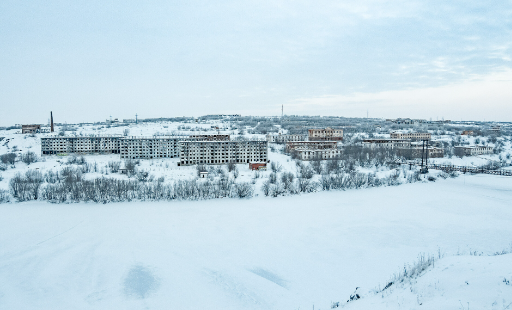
209 137
279 138
473 150
387 143
417 152
311 145
258 166
80 145
309 154
327 134
222 152
411 135
30 129
150 147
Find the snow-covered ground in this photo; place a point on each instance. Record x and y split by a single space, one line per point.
291 252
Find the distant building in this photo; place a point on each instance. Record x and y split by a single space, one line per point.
495 128
309 154
151 147
258 166
279 138
311 145
467 133
417 152
387 143
327 134
222 152
209 137
411 135
473 150
80 145
30 129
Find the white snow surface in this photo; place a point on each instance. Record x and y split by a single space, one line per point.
291 252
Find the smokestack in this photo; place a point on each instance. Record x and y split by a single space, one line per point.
51 117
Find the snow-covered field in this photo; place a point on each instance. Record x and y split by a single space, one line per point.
291 252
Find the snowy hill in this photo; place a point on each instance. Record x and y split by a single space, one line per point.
458 282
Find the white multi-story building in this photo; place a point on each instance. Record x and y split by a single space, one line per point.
309 154
222 152
80 145
151 147
311 145
279 138
387 143
411 135
327 134
473 150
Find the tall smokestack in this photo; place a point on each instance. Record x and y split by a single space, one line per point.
51 117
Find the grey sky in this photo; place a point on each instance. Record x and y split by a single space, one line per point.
87 60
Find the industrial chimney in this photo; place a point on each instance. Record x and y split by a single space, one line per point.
51 117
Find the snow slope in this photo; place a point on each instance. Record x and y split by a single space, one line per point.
457 282
263 253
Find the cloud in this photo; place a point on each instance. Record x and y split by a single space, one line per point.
488 96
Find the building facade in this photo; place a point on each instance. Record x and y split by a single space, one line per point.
327 134
387 143
473 150
311 145
150 147
309 154
411 135
30 129
222 152
209 137
80 145
279 138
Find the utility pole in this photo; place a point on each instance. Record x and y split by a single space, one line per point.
424 167
136 118
282 110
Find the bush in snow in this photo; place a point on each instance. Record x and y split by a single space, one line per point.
29 158
26 187
9 158
4 196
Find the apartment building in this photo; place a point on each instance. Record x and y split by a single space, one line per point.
327 134
311 145
222 152
151 147
279 138
418 152
80 145
209 137
473 150
309 154
411 135
30 128
387 143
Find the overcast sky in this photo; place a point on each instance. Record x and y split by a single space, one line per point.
87 60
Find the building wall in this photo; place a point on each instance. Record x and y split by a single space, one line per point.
80 145
313 145
308 154
150 147
473 150
412 136
210 137
387 143
222 152
285 138
30 128
327 134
